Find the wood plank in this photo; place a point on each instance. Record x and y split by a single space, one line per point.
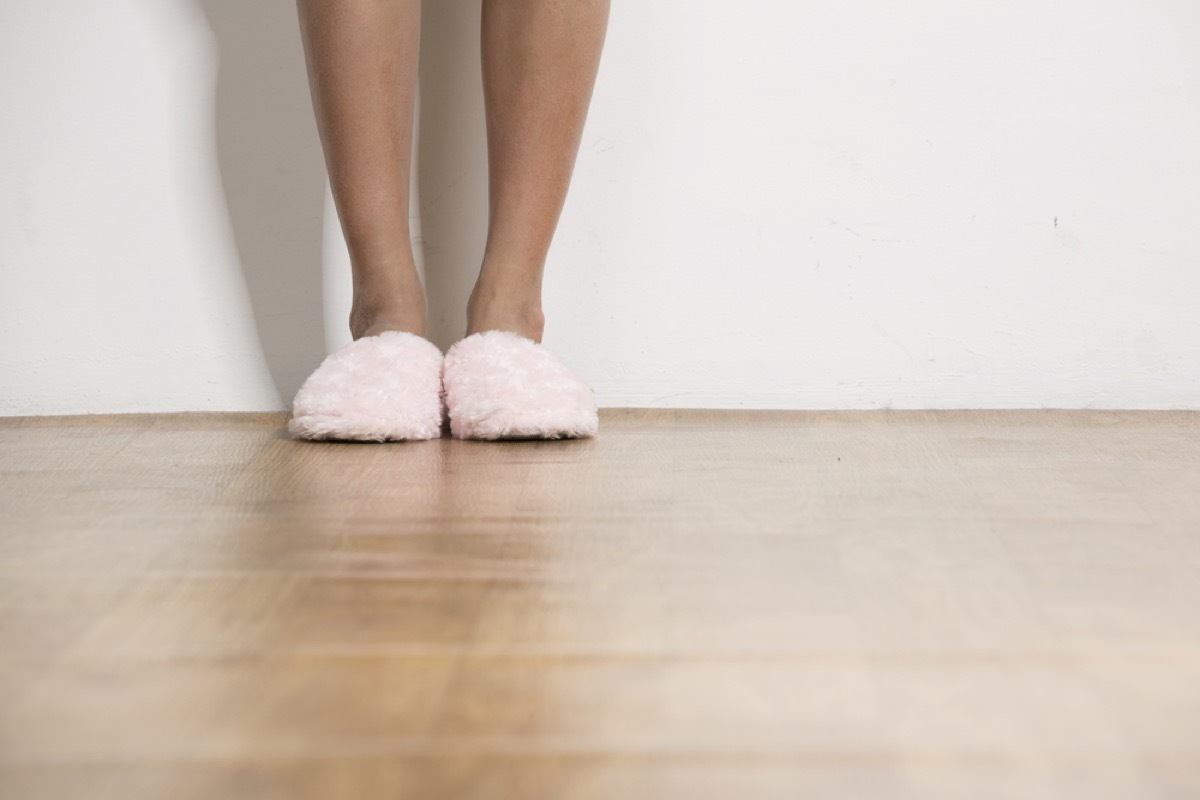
694 604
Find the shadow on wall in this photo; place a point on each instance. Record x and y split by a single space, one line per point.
273 173
273 176
452 166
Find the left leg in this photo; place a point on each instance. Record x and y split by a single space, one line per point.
540 59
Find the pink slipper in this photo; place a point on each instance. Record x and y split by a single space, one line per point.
374 389
500 385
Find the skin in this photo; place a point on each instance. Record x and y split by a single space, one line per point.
540 59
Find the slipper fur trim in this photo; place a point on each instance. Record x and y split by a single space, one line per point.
375 389
500 385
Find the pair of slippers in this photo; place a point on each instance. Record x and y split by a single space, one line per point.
398 386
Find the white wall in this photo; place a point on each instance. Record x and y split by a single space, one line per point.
925 203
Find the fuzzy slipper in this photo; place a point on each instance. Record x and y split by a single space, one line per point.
500 385
375 389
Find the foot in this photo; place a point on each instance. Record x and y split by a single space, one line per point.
369 322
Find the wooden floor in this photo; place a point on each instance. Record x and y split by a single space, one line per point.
693 605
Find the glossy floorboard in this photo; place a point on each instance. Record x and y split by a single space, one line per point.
696 604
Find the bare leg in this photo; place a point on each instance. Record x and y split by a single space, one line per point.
540 59
362 64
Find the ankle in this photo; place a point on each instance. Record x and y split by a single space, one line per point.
520 315
508 297
374 314
387 300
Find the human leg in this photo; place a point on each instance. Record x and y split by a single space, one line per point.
540 59
362 65
387 383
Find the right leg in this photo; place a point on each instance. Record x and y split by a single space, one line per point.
362 67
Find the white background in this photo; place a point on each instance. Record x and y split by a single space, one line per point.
860 204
